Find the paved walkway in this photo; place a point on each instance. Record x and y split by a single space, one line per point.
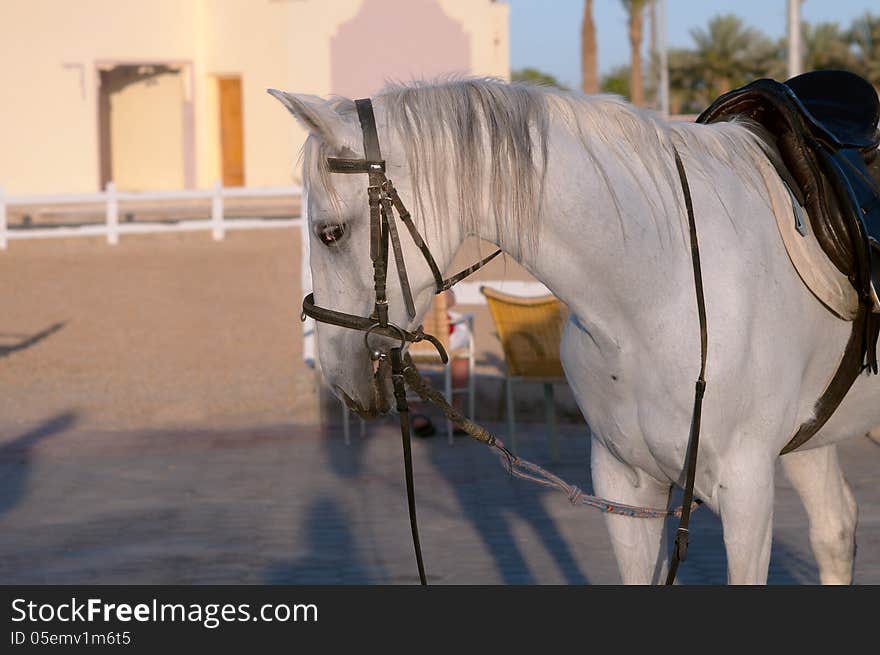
293 504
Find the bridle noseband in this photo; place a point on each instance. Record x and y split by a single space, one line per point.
383 201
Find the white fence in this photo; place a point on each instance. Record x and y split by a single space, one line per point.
218 224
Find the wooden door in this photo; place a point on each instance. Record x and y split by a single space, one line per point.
231 131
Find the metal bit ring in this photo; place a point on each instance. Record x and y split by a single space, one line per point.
378 354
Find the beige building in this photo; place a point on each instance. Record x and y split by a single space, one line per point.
169 94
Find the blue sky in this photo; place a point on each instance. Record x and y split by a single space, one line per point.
545 34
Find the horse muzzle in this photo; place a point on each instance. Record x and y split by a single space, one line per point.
380 392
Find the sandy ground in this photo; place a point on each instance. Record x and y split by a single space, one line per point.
159 330
176 330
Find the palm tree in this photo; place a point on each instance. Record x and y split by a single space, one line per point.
826 46
589 58
616 81
731 54
635 8
687 89
865 37
535 76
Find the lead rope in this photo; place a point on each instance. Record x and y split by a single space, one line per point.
522 468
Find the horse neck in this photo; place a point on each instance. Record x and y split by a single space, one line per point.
607 241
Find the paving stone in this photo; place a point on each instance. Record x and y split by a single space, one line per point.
292 504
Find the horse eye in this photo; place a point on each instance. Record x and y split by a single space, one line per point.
331 233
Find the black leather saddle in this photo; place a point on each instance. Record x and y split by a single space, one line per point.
842 107
824 125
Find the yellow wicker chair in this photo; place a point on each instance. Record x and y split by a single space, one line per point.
530 330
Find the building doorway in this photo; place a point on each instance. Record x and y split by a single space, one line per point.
144 131
231 131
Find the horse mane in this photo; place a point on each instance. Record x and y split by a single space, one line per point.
459 130
462 130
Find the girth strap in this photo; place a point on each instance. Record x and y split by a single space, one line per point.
849 369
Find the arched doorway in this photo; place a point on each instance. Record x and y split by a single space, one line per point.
145 126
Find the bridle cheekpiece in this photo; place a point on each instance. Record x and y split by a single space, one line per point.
383 201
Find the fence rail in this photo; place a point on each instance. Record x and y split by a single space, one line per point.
218 223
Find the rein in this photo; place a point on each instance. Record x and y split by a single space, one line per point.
383 201
522 468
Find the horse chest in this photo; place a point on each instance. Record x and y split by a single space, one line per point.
621 406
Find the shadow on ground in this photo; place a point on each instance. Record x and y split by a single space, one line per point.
707 563
486 498
332 557
16 458
25 341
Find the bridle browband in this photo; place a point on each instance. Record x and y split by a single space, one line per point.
384 201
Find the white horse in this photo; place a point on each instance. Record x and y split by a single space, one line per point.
583 192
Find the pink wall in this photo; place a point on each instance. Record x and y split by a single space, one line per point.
395 40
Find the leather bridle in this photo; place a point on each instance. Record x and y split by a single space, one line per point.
383 202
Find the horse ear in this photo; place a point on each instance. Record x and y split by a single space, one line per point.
316 115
